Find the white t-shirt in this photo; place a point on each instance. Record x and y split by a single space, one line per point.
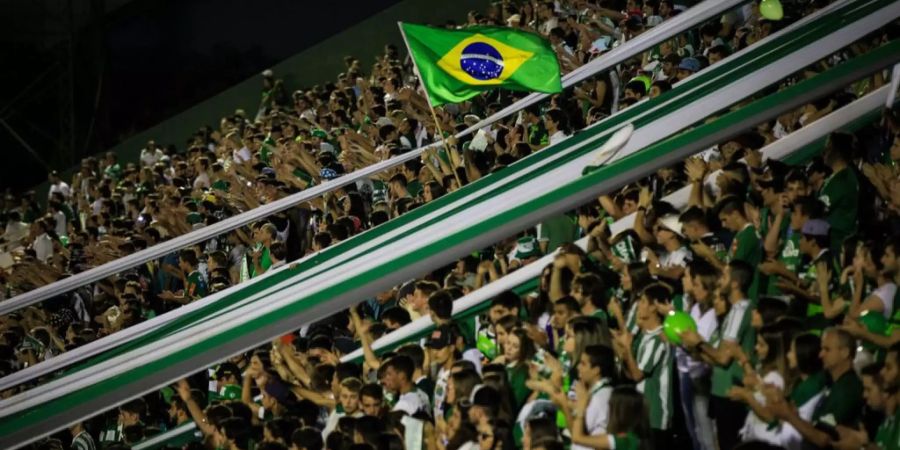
706 325
886 293
242 155
756 428
60 219
412 402
440 392
60 187
678 258
43 247
202 181
557 137
150 157
596 416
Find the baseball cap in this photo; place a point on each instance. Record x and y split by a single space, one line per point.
441 337
228 368
279 391
671 223
527 247
816 227
689 63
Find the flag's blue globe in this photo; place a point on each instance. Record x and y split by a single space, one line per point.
481 61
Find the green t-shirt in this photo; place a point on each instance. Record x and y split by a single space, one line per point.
747 247
517 376
735 328
196 287
627 441
888 435
654 359
537 134
842 402
808 388
414 188
840 194
790 257
265 261
558 230
114 171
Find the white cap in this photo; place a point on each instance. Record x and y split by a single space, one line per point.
671 223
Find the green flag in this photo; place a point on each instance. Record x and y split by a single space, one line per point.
455 65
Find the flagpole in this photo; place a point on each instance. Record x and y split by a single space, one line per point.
437 123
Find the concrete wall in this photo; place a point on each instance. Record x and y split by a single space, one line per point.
318 64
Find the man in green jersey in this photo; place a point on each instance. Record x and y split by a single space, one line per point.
840 192
783 245
652 365
193 280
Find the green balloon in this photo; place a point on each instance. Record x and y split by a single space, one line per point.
771 9
874 321
676 323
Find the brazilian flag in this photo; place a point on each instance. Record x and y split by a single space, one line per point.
455 65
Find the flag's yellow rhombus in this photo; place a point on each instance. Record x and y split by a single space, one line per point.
481 60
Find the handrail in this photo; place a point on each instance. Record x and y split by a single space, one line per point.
680 23
779 150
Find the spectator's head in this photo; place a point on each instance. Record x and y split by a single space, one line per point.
349 395
132 412
278 252
890 373
838 351
395 317
628 412
694 223
307 438
397 373
441 345
803 355
539 430
507 303
687 67
519 348
555 120
814 237
717 53
736 280
635 89
874 391
440 306
839 150
597 362
564 309
461 384
423 290
731 213
659 87
232 433
371 398
589 288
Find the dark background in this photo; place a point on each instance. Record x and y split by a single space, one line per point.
79 76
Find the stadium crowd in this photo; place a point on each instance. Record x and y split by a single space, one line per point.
790 272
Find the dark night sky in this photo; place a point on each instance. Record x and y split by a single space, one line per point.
155 58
